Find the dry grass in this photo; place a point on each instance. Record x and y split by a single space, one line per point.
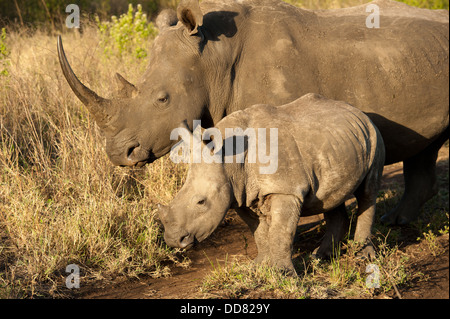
61 200
344 276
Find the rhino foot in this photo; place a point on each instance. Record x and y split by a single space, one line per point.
400 216
322 254
420 184
286 268
289 272
367 252
261 259
389 218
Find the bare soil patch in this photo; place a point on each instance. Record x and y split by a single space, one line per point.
433 272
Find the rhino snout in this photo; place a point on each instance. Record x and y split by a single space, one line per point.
131 150
135 155
184 240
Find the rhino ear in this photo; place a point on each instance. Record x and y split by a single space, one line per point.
125 88
189 13
166 19
185 125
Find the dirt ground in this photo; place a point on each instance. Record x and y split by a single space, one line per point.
235 239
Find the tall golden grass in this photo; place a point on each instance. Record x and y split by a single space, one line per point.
61 200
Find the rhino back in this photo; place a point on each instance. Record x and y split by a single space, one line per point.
397 74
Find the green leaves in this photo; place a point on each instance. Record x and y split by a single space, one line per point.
428 4
4 54
127 35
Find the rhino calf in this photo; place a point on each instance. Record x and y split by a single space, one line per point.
327 151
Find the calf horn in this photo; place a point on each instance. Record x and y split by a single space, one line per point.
95 104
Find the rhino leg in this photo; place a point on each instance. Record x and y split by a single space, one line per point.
283 219
337 226
366 215
274 230
260 229
262 242
366 197
419 174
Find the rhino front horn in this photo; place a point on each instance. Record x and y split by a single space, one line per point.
95 104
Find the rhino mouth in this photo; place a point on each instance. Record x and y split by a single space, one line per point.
142 163
190 246
150 159
191 242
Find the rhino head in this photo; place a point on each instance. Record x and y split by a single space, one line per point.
138 121
200 205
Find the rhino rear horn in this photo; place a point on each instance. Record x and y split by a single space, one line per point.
95 104
125 88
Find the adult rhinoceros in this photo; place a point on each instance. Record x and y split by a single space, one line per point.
224 55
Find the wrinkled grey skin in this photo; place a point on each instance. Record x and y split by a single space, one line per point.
224 56
327 151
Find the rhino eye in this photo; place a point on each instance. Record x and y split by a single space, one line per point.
163 98
198 200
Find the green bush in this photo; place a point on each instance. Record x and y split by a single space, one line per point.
428 4
4 54
127 35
